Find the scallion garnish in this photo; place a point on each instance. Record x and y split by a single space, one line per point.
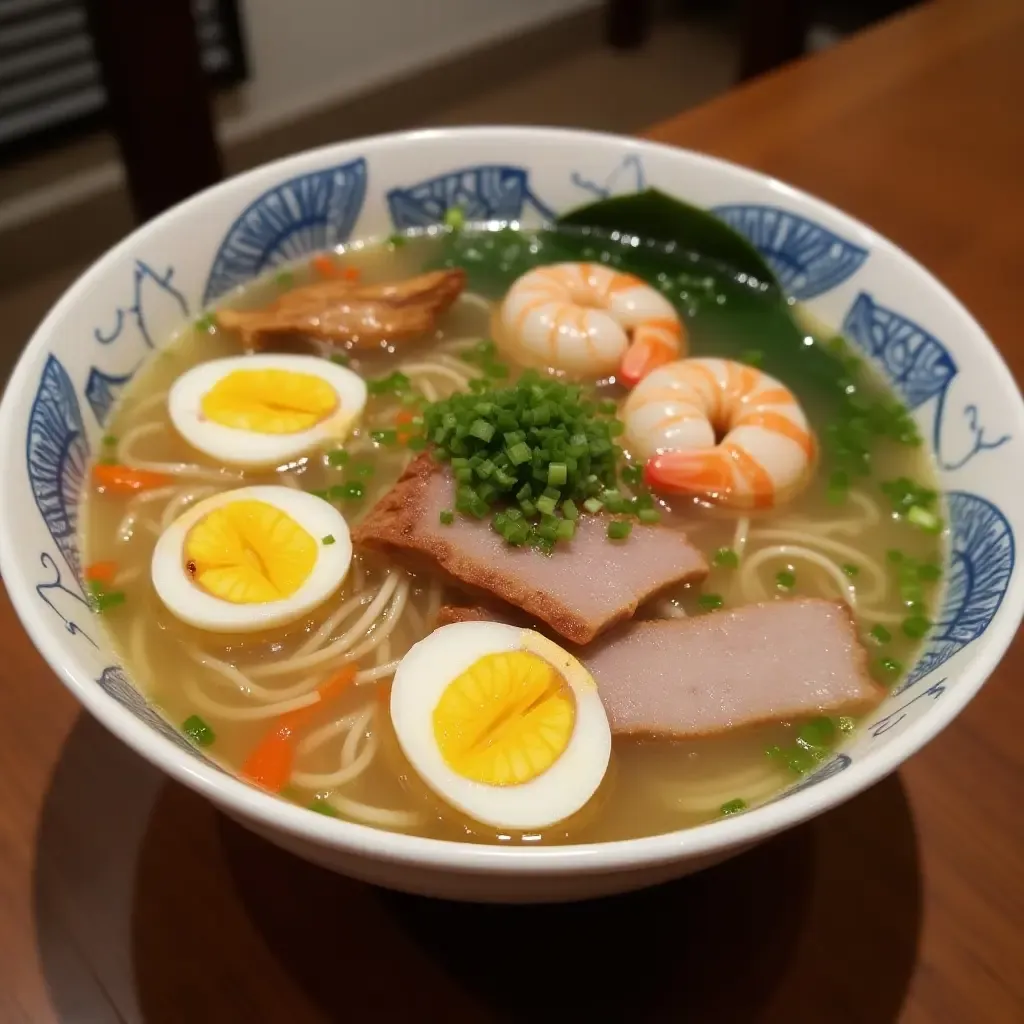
726 558
198 731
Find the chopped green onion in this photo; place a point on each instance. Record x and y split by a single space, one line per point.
916 626
569 509
447 516
207 322
352 490
726 558
109 441
482 430
321 806
338 457
396 241
890 666
557 474
850 569
633 475
285 279
924 518
593 506
104 601
329 539
880 634
752 357
818 732
454 217
733 806
785 580
340 358
619 529
384 437
566 529
198 731
546 505
649 516
710 602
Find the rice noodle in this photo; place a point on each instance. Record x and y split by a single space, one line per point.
325 733
373 675
329 625
866 566
338 647
380 817
233 713
353 764
186 469
133 512
750 784
178 504
742 534
754 590
474 299
226 673
438 370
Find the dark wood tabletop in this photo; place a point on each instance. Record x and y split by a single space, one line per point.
124 897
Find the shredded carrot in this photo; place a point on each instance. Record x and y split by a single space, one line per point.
404 419
270 763
325 266
101 572
351 273
125 480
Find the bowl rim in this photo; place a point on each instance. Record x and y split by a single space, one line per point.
273 814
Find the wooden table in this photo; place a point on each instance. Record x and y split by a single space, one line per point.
125 898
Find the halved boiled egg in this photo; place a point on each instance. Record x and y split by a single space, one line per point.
251 558
501 723
265 410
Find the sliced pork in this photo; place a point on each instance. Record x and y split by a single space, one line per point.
683 678
761 663
583 588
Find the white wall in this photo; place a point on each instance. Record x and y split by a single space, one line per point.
308 53
305 54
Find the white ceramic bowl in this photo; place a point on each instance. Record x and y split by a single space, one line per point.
129 302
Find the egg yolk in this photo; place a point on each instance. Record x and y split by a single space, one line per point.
249 552
269 401
504 720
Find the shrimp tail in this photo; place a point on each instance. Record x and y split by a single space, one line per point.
654 344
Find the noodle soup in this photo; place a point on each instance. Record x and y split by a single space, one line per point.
862 529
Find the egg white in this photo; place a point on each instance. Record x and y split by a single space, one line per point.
554 795
187 601
250 448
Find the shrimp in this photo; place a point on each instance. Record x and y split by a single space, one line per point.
720 431
589 321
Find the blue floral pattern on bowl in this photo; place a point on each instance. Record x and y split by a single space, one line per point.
57 454
807 258
483 192
298 217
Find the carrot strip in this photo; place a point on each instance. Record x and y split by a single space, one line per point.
351 274
101 572
270 763
125 480
404 419
325 266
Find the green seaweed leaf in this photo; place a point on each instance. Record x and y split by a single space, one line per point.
653 215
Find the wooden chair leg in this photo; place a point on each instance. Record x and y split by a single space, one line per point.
773 33
627 23
157 98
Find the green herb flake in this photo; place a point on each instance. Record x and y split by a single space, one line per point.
447 516
880 634
733 807
726 558
198 731
785 580
710 602
329 539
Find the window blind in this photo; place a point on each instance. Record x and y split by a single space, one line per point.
50 82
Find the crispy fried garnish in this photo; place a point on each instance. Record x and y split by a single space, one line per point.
340 311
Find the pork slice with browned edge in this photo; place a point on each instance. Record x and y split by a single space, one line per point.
584 587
